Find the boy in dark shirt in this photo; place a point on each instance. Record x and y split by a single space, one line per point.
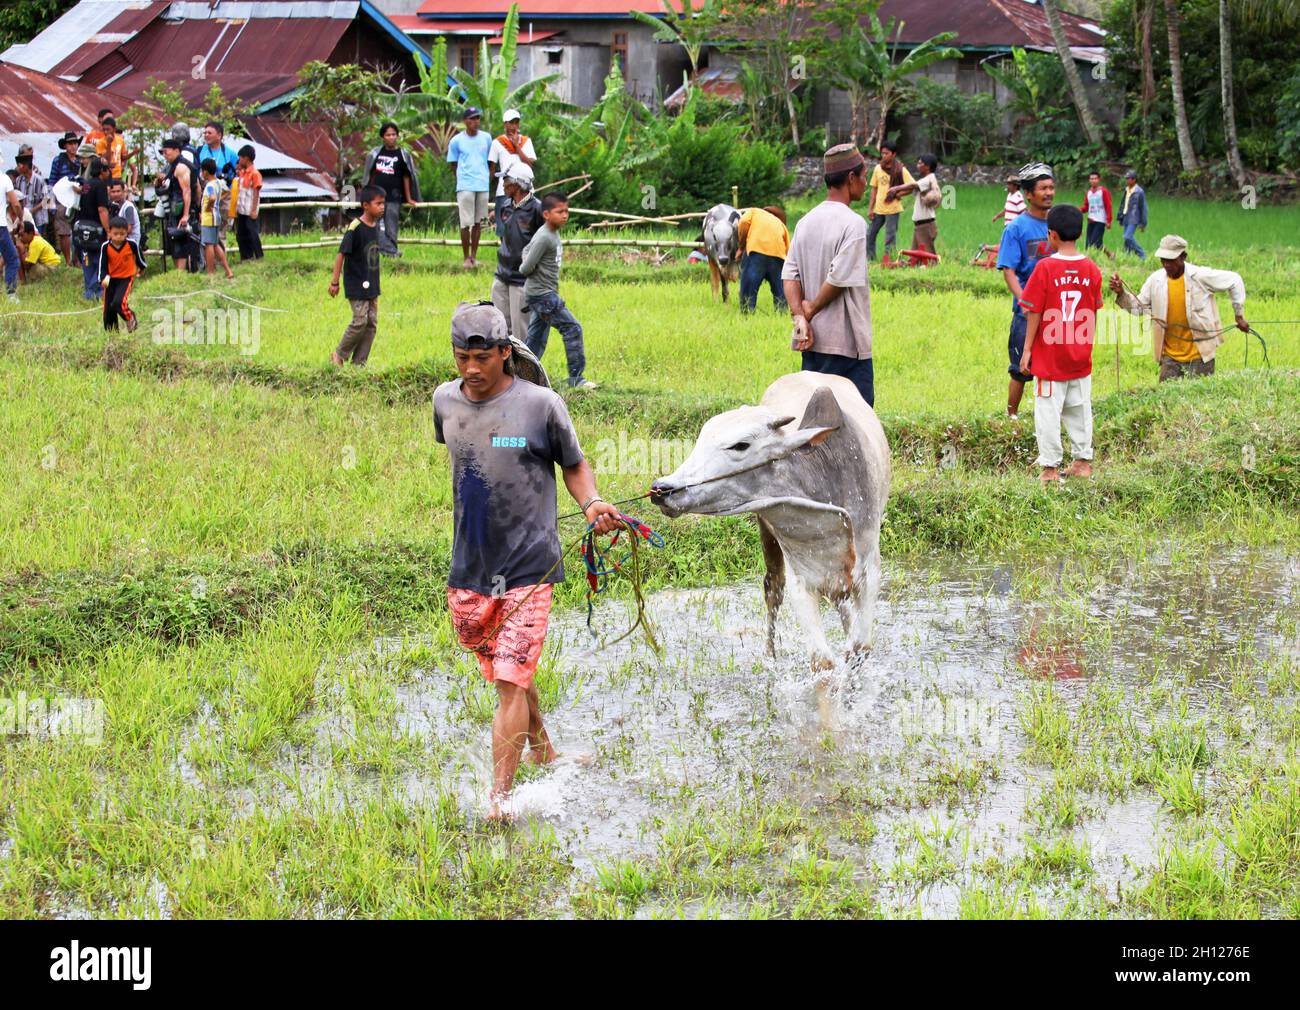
358 262
505 436
119 262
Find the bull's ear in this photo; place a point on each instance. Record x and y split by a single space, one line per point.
823 411
780 422
811 436
735 216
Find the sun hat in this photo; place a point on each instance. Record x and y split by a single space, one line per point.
1171 247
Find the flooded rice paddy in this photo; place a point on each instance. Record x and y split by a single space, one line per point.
1025 738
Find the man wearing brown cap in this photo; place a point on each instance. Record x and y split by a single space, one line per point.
505 437
1179 298
825 277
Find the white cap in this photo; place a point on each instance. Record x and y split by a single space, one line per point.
521 175
510 116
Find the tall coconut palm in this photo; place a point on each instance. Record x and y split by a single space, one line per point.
864 64
1235 166
1185 148
1145 12
1077 90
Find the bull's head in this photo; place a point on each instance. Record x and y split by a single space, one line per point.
729 470
721 240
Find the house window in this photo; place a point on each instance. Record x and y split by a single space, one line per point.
618 51
553 57
467 59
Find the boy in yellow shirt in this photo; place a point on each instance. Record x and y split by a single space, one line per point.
883 212
36 257
764 241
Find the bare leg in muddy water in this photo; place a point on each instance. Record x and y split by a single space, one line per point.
540 751
511 729
518 722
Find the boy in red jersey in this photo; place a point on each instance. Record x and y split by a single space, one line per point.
1060 302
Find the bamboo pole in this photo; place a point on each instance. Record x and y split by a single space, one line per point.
456 242
349 204
561 182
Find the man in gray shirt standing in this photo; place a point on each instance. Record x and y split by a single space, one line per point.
825 277
542 302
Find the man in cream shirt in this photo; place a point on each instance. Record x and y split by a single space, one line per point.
1179 298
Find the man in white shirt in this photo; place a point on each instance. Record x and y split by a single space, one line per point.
1015 204
928 197
509 149
1179 298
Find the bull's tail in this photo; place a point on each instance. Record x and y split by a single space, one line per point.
773 581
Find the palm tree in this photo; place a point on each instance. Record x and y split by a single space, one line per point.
1271 13
1072 77
490 91
864 65
1267 15
1235 166
1144 11
1185 148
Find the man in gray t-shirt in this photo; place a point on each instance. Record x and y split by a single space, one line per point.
506 436
825 277
542 302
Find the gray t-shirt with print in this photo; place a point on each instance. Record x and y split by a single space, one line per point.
830 244
541 262
503 455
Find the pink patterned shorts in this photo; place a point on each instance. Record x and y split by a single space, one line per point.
511 654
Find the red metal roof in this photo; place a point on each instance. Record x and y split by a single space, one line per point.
251 60
525 38
32 102
414 24
558 9
984 23
308 142
127 24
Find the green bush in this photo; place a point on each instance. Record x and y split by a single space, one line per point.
960 127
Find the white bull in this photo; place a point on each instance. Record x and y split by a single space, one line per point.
818 489
722 244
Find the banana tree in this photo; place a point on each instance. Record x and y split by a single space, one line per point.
429 110
867 64
691 29
489 89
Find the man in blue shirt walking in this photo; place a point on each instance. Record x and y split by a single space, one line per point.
1133 213
1024 243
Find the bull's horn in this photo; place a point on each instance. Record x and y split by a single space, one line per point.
822 411
780 422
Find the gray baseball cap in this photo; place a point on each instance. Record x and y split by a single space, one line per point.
477 326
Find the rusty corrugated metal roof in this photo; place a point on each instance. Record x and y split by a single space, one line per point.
991 24
32 102
307 142
559 9
251 60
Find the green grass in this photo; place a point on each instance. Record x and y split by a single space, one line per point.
209 542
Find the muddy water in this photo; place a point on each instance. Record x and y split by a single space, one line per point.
715 723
